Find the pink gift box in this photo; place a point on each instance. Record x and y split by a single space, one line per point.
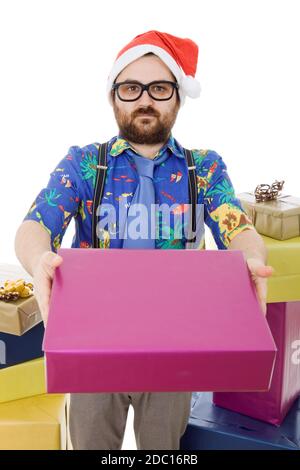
155 320
272 406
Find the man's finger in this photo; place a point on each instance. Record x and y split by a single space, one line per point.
261 290
264 271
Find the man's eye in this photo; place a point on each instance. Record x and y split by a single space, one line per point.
161 89
132 88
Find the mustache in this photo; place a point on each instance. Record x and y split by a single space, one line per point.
145 112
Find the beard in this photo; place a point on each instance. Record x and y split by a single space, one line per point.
140 128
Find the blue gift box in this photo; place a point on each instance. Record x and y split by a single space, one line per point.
17 349
213 428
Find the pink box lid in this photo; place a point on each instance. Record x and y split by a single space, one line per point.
177 319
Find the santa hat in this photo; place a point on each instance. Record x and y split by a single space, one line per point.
180 55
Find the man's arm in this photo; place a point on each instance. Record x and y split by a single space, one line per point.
33 249
42 230
251 244
31 241
230 225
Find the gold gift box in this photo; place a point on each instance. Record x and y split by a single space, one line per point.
23 380
284 256
278 219
36 423
18 316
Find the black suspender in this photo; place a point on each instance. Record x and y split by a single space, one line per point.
99 186
98 192
192 195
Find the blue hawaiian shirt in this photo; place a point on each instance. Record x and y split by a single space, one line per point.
70 192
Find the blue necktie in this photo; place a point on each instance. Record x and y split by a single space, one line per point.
144 195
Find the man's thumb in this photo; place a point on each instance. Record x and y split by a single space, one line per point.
56 260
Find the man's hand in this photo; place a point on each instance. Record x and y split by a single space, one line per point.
259 274
42 280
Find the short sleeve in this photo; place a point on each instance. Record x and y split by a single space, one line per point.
223 212
58 202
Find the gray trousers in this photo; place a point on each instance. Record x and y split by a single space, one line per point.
98 420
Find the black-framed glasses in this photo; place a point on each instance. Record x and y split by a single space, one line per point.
161 90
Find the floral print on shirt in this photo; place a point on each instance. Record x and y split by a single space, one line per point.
70 192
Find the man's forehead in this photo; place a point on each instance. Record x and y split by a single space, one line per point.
141 69
133 80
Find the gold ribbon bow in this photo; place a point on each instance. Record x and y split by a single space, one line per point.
265 192
13 290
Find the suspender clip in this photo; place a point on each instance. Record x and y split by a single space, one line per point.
102 167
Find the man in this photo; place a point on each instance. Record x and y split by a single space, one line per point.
148 84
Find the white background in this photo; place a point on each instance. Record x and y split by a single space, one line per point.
55 58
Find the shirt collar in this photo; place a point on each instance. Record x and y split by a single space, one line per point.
119 145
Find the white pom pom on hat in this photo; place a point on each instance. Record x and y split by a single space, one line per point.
179 54
190 86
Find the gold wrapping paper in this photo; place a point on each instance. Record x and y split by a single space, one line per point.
284 256
278 219
36 423
17 316
23 380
